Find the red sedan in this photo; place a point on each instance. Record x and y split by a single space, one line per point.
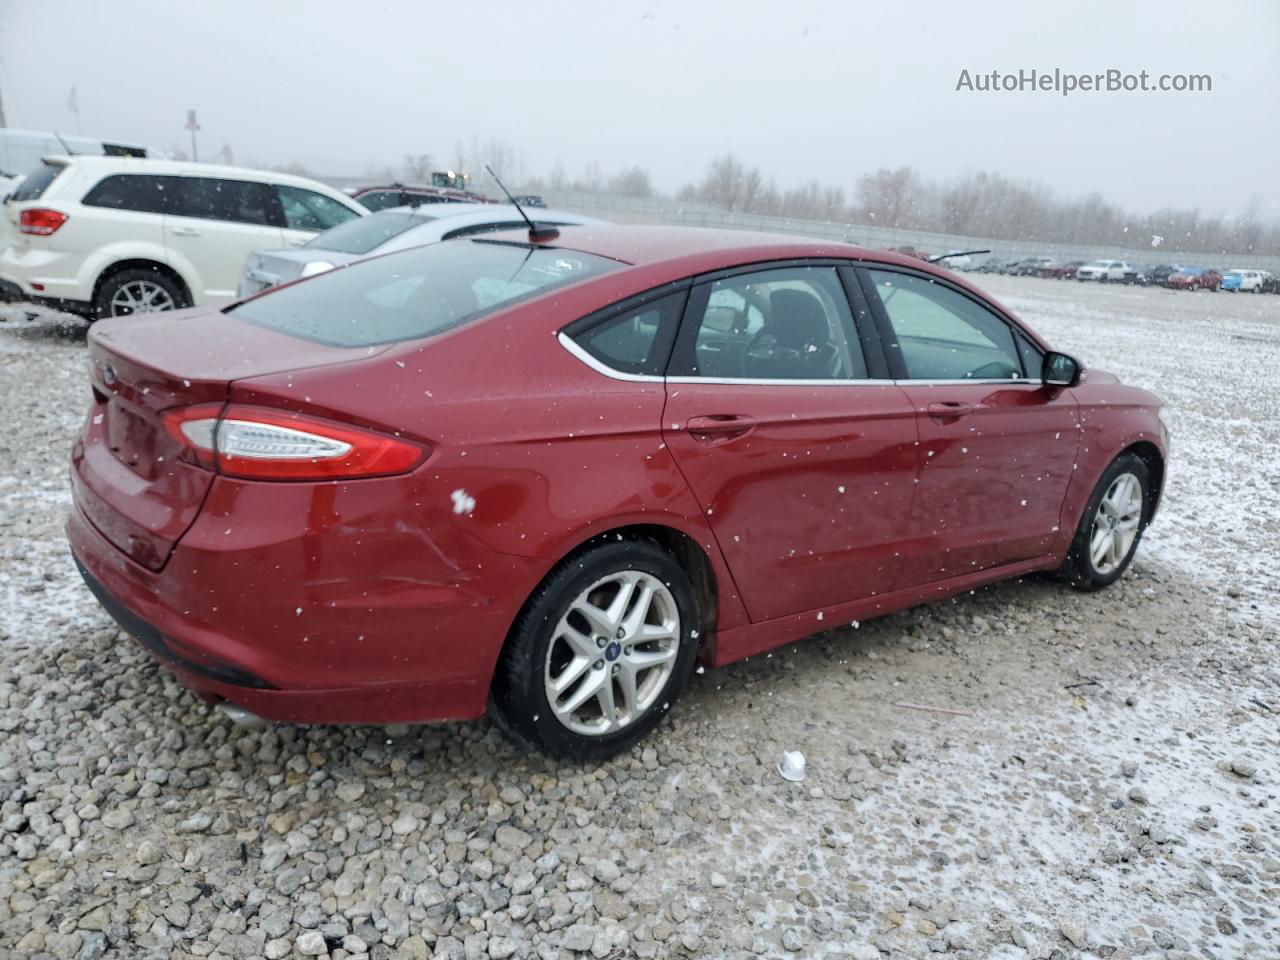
546 475
1194 278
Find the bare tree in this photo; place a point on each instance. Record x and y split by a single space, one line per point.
632 182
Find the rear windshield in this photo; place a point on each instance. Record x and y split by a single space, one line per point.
418 292
364 234
37 180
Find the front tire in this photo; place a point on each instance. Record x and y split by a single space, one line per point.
1112 525
599 654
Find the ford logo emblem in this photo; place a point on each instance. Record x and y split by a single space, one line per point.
109 375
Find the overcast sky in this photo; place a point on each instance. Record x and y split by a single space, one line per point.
802 90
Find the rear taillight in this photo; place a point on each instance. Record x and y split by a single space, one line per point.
41 221
262 444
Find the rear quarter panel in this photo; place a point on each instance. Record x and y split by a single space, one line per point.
533 453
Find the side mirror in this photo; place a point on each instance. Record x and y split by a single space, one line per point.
1060 370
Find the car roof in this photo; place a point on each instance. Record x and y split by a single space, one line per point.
666 252
105 165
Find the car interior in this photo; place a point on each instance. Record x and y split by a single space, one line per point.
791 324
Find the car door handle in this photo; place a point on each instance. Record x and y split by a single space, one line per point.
184 231
299 241
949 410
721 427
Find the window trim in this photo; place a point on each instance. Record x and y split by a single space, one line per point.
889 339
664 342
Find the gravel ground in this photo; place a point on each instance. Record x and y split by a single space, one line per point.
1109 787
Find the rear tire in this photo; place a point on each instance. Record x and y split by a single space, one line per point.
1111 526
137 290
599 654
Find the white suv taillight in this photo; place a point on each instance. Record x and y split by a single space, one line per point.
40 221
262 444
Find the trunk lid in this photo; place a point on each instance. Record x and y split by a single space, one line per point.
270 268
127 476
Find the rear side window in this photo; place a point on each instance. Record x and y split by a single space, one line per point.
131 191
308 210
636 341
33 187
418 292
365 234
212 198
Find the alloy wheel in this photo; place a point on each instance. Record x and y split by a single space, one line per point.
1115 525
612 653
141 296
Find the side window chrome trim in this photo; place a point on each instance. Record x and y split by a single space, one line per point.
568 343
779 382
572 347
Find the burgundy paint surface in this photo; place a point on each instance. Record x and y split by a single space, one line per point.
372 600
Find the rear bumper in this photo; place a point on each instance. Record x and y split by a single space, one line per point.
47 274
212 617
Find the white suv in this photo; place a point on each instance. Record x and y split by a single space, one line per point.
1106 270
107 236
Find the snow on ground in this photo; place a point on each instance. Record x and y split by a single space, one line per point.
1108 790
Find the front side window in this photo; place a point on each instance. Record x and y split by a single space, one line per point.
790 323
140 193
942 334
362 235
213 198
635 341
308 210
418 292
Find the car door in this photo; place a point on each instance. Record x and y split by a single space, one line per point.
211 226
307 213
796 446
997 446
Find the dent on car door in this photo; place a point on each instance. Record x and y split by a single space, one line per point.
997 447
803 465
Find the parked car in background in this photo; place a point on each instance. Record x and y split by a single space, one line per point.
1194 278
109 236
529 200
1063 271
1156 275
1105 271
530 475
909 251
1243 281
22 150
412 195
1033 266
1271 283
383 232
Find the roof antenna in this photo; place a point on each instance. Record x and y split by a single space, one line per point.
70 152
957 253
536 232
